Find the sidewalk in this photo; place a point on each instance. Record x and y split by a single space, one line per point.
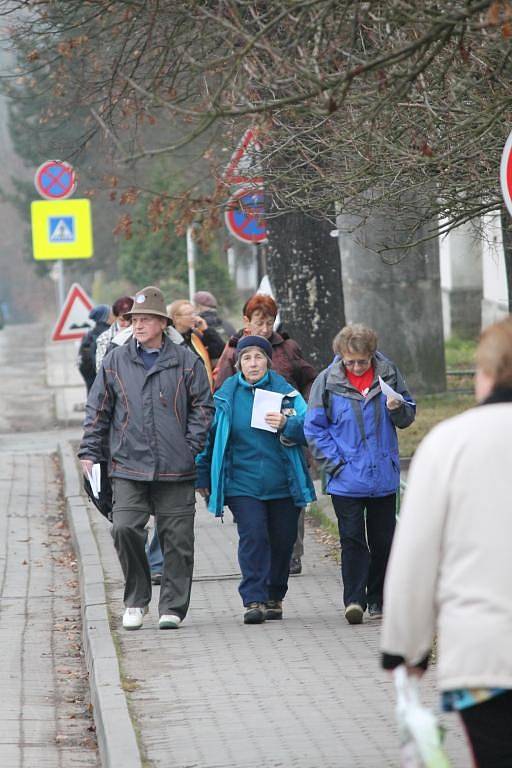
306 692
45 721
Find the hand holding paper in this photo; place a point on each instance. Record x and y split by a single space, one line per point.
94 478
394 399
265 402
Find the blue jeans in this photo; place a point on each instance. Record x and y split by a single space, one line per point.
154 553
267 531
364 549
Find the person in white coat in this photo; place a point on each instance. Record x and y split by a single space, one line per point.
450 569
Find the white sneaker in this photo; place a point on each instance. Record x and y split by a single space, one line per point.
169 621
133 617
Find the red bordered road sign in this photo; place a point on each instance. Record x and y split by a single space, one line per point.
244 164
245 216
55 180
506 173
73 322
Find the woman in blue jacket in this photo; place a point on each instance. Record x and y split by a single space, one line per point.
350 427
261 473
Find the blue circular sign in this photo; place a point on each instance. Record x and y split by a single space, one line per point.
55 180
245 216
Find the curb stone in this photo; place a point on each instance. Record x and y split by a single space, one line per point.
114 728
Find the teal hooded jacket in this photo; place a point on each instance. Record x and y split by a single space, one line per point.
211 463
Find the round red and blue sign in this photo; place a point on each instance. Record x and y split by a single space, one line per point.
245 216
55 180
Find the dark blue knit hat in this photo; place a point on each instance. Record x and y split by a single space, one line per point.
100 313
254 341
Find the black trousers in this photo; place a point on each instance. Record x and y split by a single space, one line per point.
364 547
489 729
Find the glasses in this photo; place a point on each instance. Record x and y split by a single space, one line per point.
263 323
353 363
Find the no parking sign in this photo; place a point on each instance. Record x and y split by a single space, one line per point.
245 216
55 180
506 173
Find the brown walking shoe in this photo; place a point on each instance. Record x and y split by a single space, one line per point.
255 613
274 609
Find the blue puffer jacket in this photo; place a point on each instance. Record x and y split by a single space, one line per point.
352 437
211 463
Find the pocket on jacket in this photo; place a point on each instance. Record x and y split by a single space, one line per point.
178 454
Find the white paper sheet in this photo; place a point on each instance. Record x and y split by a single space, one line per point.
389 391
94 478
265 402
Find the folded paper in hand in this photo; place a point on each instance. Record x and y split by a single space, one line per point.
389 391
94 478
265 402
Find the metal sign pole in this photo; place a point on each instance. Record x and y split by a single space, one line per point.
191 262
60 282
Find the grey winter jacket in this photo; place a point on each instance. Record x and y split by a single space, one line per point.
156 420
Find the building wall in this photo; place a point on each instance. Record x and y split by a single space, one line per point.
460 261
495 294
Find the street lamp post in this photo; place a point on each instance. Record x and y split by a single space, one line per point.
191 261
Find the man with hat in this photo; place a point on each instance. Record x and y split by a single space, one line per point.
152 399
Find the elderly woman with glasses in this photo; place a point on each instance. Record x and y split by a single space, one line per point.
350 427
259 317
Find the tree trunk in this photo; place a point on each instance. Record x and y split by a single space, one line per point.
400 297
305 272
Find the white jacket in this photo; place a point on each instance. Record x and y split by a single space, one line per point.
450 568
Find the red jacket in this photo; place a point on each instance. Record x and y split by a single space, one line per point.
287 360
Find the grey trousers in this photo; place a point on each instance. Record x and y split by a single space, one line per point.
298 548
173 505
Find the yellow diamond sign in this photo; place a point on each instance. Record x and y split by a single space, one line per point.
61 229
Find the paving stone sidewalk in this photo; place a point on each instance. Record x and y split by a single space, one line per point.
44 713
306 692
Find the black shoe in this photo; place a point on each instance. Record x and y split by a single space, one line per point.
375 611
295 566
354 613
255 613
274 609
156 578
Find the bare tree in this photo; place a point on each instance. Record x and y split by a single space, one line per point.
350 96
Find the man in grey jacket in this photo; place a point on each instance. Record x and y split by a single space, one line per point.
151 400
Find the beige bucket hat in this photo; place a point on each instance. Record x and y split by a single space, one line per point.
149 301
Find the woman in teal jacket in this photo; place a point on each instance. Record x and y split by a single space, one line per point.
261 473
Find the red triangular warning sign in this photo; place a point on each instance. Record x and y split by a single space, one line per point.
244 165
73 322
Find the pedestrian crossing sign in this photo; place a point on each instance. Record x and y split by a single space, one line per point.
61 229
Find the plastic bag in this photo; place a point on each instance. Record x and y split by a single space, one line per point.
420 734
